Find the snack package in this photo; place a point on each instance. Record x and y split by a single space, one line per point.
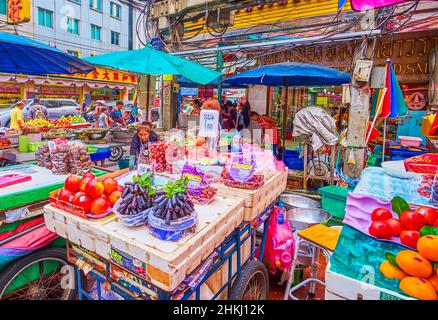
80 161
60 156
199 187
423 164
42 156
240 172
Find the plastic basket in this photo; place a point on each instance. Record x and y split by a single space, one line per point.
135 220
334 200
176 230
100 156
123 163
294 163
404 153
33 146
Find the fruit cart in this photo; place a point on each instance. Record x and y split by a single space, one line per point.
218 261
27 248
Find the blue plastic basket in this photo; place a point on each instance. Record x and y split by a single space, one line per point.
100 155
294 163
402 154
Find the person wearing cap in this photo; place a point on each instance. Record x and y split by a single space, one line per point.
103 121
17 117
37 110
117 114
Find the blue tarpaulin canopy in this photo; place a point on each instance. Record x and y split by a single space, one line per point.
21 55
290 74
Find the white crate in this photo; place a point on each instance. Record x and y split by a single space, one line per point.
351 289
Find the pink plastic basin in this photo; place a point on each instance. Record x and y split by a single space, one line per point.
410 141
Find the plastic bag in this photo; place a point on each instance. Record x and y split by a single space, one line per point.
280 244
157 156
423 164
60 156
242 172
80 158
42 156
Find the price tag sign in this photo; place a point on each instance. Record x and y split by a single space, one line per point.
143 168
209 123
51 144
242 171
195 179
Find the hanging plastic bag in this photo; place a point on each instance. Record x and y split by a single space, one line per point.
280 245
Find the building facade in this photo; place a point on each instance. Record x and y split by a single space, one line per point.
81 28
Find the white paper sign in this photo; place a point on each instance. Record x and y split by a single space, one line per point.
209 123
142 168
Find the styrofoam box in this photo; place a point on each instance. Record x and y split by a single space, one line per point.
341 287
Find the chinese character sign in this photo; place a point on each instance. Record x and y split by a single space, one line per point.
18 11
209 123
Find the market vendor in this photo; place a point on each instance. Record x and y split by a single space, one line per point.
17 117
140 141
104 118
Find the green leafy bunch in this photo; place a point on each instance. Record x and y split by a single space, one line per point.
145 180
175 187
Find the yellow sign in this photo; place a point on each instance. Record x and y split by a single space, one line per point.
18 11
105 75
167 77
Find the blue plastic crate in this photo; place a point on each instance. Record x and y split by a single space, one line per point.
291 154
403 153
100 155
294 163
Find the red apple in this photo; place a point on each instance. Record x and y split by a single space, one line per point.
83 184
89 175
65 195
394 224
429 213
110 185
381 214
104 196
380 230
411 220
114 197
119 188
82 201
409 238
94 189
99 206
72 184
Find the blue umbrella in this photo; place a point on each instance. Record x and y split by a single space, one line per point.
290 74
26 56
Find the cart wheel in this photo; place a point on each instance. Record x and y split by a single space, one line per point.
42 275
253 283
116 154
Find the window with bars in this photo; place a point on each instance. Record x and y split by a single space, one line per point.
115 10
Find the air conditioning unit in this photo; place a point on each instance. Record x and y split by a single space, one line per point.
220 18
433 77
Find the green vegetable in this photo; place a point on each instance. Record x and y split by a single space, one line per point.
426 230
391 258
399 205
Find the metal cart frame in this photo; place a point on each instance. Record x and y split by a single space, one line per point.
226 250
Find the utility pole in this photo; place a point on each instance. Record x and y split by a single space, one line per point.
359 113
219 67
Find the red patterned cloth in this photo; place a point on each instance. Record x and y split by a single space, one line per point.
266 125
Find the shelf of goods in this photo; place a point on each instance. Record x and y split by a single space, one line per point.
164 264
340 287
256 201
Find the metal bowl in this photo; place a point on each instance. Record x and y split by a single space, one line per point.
96 136
302 218
296 201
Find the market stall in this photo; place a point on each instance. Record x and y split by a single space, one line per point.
24 239
181 229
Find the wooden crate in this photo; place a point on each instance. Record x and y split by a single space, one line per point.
343 287
256 201
168 263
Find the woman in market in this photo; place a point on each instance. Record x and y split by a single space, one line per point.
196 108
104 118
243 118
140 141
17 117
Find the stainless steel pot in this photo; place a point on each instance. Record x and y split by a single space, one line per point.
297 201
